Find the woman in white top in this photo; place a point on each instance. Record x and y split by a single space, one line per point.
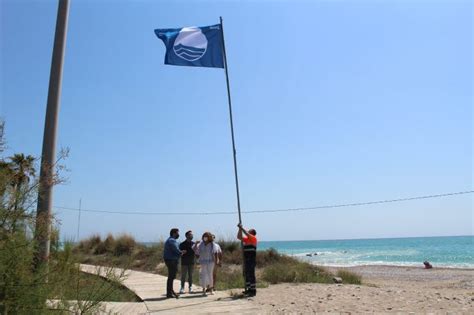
207 255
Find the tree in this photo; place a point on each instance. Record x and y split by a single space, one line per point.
2 139
22 289
19 170
23 168
6 174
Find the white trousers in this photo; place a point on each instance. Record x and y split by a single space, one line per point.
205 275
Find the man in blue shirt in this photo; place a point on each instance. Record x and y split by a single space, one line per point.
171 255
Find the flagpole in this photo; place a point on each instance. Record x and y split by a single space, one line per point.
231 123
233 143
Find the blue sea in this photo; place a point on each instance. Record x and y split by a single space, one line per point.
452 251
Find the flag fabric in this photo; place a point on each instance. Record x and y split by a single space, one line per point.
193 46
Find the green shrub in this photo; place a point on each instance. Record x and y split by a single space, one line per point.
148 257
106 246
124 245
349 277
89 244
109 243
298 272
120 251
264 258
90 287
229 278
99 249
272 256
272 267
25 289
229 246
278 273
232 257
21 290
55 244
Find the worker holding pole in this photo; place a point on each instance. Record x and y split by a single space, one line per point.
249 241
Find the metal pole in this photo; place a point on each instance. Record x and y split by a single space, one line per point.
233 143
231 123
48 155
79 220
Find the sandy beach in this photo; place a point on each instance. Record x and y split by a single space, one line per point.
385 289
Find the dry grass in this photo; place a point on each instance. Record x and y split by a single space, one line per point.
124 244
90 245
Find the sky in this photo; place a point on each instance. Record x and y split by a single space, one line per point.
334 102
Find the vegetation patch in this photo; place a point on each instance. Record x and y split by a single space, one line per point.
272 267
89 287
349 277
29 289
296 272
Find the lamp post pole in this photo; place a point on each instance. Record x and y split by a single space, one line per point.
48 154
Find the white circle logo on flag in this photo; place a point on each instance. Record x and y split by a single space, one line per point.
191 44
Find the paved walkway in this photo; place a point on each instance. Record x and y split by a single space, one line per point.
151 289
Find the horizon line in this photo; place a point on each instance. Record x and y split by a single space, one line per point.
345 239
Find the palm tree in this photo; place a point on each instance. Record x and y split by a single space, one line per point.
22 170
5 177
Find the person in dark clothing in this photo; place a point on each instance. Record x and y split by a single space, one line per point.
187 261
249 242
171 255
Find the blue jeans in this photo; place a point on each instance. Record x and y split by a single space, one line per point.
187 270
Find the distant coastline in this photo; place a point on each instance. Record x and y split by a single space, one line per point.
369 238
449 252
442 251
404 267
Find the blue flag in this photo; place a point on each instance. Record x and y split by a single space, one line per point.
193 46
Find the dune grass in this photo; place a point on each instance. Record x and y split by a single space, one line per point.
296 272
85 285
272 267
349 277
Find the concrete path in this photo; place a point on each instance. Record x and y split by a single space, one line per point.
151 289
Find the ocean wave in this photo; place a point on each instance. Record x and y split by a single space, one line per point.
444 252
185 52
188 56
408 258
189 49
189 53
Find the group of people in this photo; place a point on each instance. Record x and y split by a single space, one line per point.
208 254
